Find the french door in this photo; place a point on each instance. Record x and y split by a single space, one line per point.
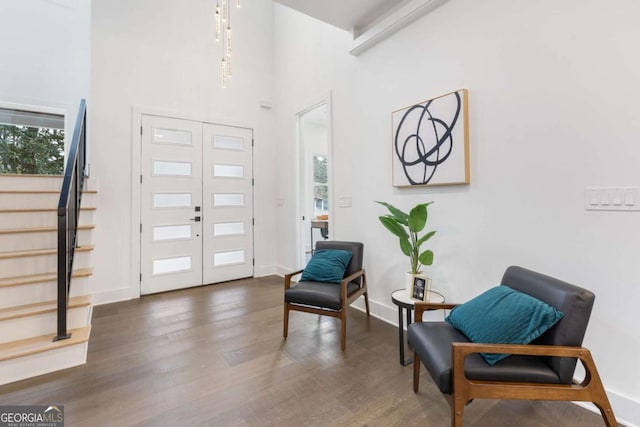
197 204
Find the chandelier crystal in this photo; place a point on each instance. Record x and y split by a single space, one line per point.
223 36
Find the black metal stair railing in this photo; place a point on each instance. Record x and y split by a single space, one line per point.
68 213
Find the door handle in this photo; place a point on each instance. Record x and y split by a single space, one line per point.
196 219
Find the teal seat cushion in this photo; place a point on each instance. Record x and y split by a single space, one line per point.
502 315
326 265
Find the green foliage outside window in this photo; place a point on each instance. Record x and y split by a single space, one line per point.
320 189
31 150
320 169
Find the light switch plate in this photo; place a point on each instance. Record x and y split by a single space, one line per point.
612 198
344 201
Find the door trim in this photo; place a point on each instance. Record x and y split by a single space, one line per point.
137 111
316 102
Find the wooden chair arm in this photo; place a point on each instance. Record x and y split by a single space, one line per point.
591 385
352 277
461 350
345 281
288 277
421 307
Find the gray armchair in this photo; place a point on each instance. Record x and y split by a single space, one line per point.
328 299
542 370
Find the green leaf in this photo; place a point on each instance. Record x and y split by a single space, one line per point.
425 238
393 226
397 213
426 257
405 246
418 218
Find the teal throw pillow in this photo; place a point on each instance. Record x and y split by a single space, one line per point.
502 315
327 265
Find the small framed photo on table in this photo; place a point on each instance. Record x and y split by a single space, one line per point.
420 288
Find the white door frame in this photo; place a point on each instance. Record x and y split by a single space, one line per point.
132 290
314 103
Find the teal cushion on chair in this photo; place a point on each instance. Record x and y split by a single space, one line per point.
327 265
502 315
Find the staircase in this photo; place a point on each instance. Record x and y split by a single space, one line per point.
28 273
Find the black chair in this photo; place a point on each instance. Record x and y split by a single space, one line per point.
542 370
328 299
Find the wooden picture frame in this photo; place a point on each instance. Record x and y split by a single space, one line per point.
420 287
430 142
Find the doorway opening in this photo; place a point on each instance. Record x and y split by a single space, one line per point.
314 178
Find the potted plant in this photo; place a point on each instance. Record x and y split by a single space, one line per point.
407 228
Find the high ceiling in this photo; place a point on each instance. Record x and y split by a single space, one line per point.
345 14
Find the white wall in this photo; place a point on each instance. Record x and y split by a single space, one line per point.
161 55
45 54
553 109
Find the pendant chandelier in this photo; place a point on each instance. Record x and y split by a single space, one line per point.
223 35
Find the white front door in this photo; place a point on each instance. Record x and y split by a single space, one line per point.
197 204
171 253
228 202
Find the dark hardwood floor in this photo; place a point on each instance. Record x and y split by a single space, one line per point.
215 356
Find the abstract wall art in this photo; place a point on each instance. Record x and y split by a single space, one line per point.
431 142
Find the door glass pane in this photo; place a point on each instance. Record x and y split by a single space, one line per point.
228 228
228 199
171 168
171 136
171 232
172 200
228 142
171 265
226 258
228 171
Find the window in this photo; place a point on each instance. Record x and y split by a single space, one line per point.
31 142
320 186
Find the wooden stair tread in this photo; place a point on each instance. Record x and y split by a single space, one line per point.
40 252
41 229
41 307
29 346
39 278
23 210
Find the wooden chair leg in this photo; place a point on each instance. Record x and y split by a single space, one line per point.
285 330
343 330
366 302
607 415
598 393
416 372
457 409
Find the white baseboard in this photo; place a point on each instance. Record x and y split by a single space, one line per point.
626 410
265 270
281 270
114 295
389 313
